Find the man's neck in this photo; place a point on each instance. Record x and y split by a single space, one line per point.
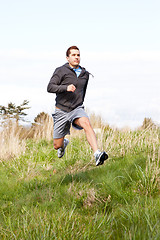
77 66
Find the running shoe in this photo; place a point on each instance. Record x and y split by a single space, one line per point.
100 158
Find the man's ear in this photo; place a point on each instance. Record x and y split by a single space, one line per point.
67 58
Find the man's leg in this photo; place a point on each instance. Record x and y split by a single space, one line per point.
90 134
60 144
61 129
84 122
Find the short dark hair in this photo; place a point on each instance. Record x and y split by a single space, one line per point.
69 50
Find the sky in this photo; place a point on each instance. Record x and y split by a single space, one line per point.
119 42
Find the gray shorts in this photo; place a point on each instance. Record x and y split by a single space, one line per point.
63 120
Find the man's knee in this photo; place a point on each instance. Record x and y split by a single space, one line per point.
57 143
85 123
56 146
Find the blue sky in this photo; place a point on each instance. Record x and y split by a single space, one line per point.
119 43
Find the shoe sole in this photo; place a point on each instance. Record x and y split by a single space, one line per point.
103 157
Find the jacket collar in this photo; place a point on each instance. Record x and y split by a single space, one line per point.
68 66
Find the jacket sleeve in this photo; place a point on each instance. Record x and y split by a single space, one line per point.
55 84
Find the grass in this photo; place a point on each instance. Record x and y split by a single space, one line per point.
43 197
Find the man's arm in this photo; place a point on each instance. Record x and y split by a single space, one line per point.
55 85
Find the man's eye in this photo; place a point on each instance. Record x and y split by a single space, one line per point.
78 55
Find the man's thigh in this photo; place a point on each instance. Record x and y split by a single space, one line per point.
82 122
61 124
77 117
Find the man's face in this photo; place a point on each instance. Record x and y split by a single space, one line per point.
74 58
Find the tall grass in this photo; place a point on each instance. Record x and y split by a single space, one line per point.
13 136
43 127
43 197
10 143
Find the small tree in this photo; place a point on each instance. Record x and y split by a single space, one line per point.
14 112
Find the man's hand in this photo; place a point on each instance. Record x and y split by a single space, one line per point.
71 88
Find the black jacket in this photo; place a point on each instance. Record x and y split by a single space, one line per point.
62 77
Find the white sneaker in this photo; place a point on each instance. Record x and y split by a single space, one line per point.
61 151
100 158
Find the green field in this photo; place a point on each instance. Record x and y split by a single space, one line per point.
43 197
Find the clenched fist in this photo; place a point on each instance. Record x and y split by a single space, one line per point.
71 88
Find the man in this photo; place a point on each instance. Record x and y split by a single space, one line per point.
69 82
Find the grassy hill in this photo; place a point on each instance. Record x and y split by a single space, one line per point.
43 197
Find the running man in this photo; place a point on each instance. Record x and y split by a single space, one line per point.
69 82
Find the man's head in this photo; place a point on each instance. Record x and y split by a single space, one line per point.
73 56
